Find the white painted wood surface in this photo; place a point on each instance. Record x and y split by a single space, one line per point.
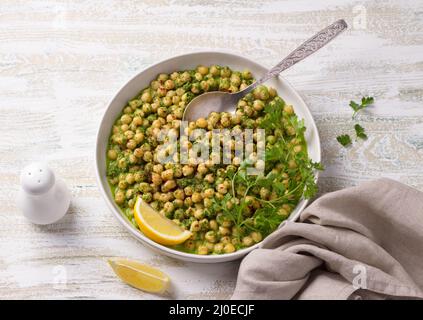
61 61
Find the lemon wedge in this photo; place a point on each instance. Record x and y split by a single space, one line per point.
140 276
157 227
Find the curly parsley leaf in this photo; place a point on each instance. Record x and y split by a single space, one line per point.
365 102
286 185
344 139
359 131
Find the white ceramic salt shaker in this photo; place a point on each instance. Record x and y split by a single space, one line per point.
42 198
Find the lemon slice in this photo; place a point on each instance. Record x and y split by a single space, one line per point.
157 227
140 276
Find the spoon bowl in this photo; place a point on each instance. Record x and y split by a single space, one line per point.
217 101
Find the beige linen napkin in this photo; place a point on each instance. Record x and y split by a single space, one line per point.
361 242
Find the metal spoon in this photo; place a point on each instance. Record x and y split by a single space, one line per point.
201 106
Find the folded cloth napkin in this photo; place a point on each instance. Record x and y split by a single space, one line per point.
362 242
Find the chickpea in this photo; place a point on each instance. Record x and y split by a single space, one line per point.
126 119
168 185
188 191
144 187
235 80
287 207
213 225
211 236
158 168
199 213
163 197
225 72
167 175
195 226
188 201
272 92
218 248
225 239
138 153
131 203
137 121
222 189
236 242
198 76
169 84
189 244
247 241
209 178
130 179
207 202
196 197
214 71
282 212
246 74
147 197
292 164
225 121
112 154
185 77
162 112
179 194
131 144
224 231
208 193
178 203
290 131
227 223
258 105
204 223
156 179
168 207
146 97
297 148
264 193
256 236
139 137
148 156
129 193
119 197
260 165
203 250
202 70
209 245
187 170
122 184
167 101
229 248
288 109
201 123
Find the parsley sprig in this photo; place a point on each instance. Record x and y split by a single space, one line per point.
365 102
301 182
345 139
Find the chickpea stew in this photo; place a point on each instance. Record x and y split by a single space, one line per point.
224 207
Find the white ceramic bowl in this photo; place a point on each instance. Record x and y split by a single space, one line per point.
182 62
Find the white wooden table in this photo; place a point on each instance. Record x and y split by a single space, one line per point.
61 62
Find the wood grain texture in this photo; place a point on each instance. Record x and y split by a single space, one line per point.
61 62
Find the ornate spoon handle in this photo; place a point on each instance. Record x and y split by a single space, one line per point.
307 48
